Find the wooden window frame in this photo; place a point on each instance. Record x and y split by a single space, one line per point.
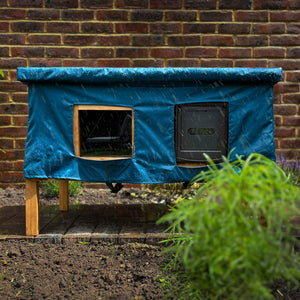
76 129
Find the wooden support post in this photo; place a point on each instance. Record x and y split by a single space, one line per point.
32 206
63 195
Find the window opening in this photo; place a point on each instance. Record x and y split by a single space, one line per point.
103 132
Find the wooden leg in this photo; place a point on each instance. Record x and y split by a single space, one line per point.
63 195
32 206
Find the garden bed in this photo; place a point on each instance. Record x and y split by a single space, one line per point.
88 270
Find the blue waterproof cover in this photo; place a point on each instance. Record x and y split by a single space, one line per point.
153 94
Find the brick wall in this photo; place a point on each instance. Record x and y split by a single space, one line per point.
146 33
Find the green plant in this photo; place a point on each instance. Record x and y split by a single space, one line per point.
51 188
291 168
235 236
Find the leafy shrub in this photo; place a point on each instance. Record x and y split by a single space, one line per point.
291 168
51 188
235 236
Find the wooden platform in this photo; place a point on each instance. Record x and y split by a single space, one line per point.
117 223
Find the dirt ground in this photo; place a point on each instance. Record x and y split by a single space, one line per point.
93 270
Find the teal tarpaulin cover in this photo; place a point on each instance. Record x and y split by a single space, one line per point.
152 93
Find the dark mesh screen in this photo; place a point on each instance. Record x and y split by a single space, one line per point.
105 133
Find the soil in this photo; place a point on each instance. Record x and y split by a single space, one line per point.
93 270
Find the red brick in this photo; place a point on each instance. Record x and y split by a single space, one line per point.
293 28
146 15
61 4
81 40
284 132
13 109
183 16
295 143
11 154
44 39
251 16
45 62
5 120
148 40
97 27
19 165
235 53
196 4
97 52
113 63
76 15
235 4
147 63
132 3
28 52
11 63
166 4
20 120
165 28
11 14
12 39
293 52
294 4
62 52
251 63
62 27
19 97
113 40
4 51
184 40
131 52
182 63
277 98
215 16
12 86
287 40
26 3
10 177
96 3
43 14
217 63
269 52
285 64
199 28
293 76
4 97
6 165
131 27
270 4
91 63
291 98
4 26
201 52
284 16
166 52
283 87
111 15
285 109
13 131
6 144
252 40
286 154
268 28
234 28
27 26
217 40
291 121
277 120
